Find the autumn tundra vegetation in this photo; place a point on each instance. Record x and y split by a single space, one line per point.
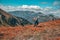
44 31
15 28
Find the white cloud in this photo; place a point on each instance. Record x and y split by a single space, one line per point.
56 12
56 3
23 7
30 7
50 10
44 2
46 10
7 8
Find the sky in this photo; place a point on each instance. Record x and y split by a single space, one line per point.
45 6
42 3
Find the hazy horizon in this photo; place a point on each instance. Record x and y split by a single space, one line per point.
44 6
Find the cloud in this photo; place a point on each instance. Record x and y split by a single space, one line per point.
30 7
56 13
26 8
43 2
56 3
50 10
7 8
46 10
23 7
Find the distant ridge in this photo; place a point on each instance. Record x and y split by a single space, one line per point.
29 15
7 19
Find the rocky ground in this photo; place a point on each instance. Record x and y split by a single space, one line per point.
44 31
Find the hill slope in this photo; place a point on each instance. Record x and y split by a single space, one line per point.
44 31
7 19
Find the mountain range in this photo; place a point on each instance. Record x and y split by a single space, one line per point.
15 18
29 15
7 19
